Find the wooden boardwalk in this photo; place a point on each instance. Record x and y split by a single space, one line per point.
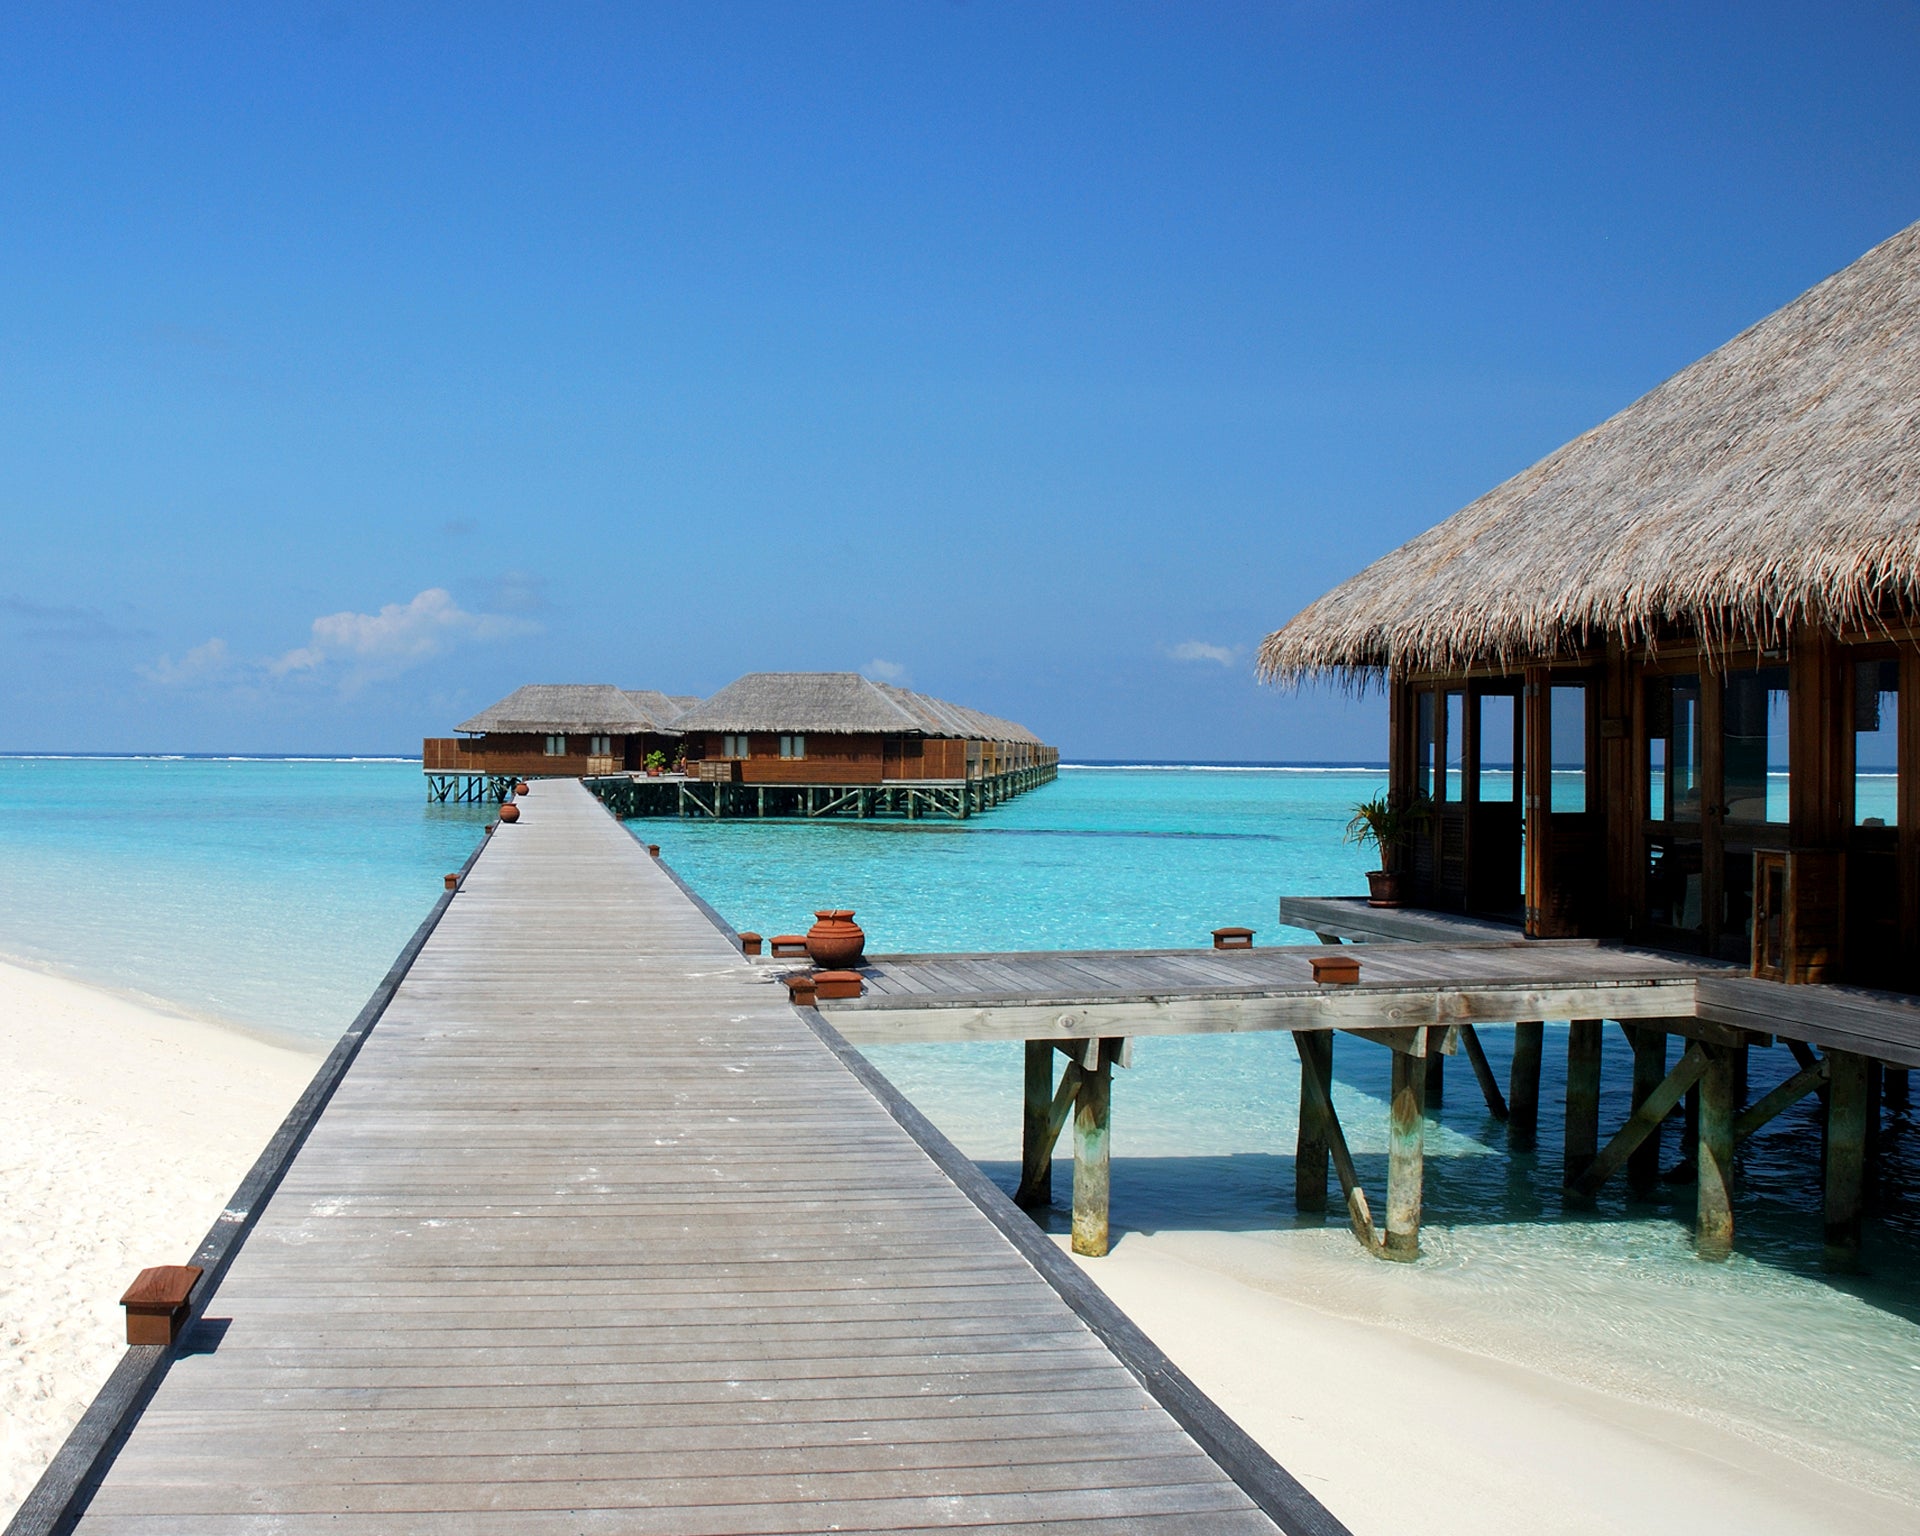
600 1235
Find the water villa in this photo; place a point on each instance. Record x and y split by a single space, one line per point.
1660 689
769 744
549 730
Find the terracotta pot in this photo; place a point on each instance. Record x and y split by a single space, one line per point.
520 788
509 813
653 773
1383 888
835 941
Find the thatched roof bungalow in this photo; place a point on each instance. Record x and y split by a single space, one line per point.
547 729
844 728
1676 659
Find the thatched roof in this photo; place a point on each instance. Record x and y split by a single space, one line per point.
1775 481
839 703
661 708
578 707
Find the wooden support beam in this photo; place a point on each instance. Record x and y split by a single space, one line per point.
1092 1108
1649 1071
1036 1149
1436 1079
1713 1155
1406 1156
1658 1104
1321 1087
1846 1157
1310 1155
1781 1099
1583 1097
1483 1070
1523 1081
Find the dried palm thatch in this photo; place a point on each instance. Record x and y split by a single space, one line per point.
1774 482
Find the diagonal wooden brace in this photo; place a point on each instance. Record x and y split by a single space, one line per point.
1645 1120
1321 1092
1807 1080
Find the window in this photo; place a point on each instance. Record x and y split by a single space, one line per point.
1673 748
1454 745
602 746
1425 743
1499 784
1754 746
793 746
734 746
1567 735
556 746
1876 736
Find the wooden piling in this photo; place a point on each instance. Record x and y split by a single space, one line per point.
1713 1152
1036 1145
1649 1071
1846 1145
1583 1096
1523 1081
1311 1157
1090 1173
1406 1156
1436 1078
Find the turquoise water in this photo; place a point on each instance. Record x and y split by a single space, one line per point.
275 894
268 893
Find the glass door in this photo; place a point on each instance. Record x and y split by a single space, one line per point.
1673 785
1756 770
1872 779
1495 826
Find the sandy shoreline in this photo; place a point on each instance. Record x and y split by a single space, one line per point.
1389 1429
126 1129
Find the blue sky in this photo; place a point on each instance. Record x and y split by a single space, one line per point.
358 364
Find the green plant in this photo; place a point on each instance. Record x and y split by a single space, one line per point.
656 759
1388 822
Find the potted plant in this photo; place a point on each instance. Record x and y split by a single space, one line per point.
1388 823
656 762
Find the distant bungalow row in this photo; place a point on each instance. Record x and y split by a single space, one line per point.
768 744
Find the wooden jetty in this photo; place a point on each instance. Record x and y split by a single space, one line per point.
597 1232
1428 983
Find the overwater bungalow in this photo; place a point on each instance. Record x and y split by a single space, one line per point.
849 733
769 744
571 730
1662 684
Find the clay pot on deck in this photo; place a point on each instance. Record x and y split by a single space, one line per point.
520 788
653 773
835 940
1383 888
509 813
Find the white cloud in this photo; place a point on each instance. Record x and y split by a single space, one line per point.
351 648
206 663
1199 650
399 636
886 671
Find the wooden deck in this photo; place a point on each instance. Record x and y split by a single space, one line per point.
1860 1020
1103 993
599 1234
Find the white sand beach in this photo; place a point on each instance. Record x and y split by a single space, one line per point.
125 1130
1388 1427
